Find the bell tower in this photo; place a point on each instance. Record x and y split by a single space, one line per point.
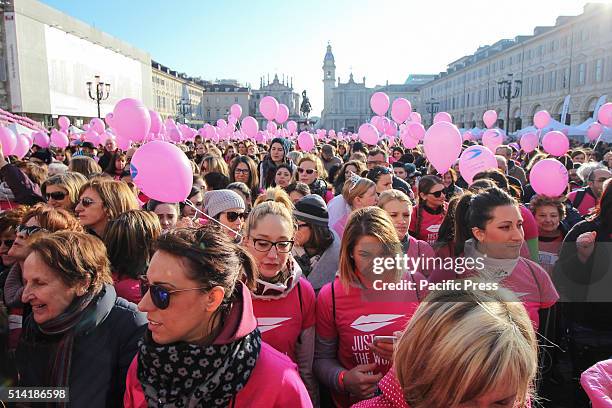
329 79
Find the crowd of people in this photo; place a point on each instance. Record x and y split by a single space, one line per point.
262 288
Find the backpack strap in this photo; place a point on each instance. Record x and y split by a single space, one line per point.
580 194
299 288
333 300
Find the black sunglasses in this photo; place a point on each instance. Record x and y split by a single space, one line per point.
159 295
308 171
86 202
57 196
7 242
233 215
437 194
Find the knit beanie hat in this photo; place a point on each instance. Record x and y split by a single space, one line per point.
312 209
218 201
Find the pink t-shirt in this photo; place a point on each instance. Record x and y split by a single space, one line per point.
359 317
281 321
429 227
586 205
549 252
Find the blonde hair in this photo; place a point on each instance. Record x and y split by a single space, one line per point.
70 181
356 187
215 165
393 195
116 196
275 194
321 172
368 221
478 341
269 208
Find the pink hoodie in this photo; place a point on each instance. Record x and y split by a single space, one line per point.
274 382
597 382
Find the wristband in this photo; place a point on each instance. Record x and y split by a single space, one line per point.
341 379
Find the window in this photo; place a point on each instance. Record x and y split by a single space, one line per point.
501 65
581 74
208 113
565 81
236 99
552 81
541 83
598 70
564 42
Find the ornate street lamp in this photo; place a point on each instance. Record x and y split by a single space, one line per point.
508 90
99 93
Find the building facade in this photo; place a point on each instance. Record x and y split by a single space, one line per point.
44 72
347 105
572 58
218 98
282 90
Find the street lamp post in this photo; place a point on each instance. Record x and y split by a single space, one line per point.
100 93
508 90
184 108
432 108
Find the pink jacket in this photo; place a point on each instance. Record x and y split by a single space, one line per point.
275 381
597 382
391 397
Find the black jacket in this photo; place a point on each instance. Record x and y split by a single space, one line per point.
100 357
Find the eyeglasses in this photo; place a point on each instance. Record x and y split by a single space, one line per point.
27 231
242 171
56 195
263 245
86 202
233 215
437 194
159 295
7 242
308 171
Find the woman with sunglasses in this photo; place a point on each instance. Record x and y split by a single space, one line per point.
283 300
317 247
80 334
430 210
244 169
360 306
311 172
382 176
203 333
101 201
62 190
358 192
40 218
228 209
129 242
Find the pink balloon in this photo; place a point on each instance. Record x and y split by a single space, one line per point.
174 134
221 123
292 126
97 125
416 130
271 127
549 177
467 136
232 120
604 115
86 127
529 142
40 139
415 117
401 110
306 141
63 122
156 122
489 118
443 117
92 137
408 140
492 138
162 171
22 147
555 143
8 139
475 159
59 139
378 123
379 102
368 134
250 126
131 119
268 106
332 133
442 145
236 110
391 129
282 114
109 119
594 131
541 119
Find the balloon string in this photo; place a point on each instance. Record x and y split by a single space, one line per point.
190 204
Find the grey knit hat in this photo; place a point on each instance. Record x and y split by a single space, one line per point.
312 209
217 201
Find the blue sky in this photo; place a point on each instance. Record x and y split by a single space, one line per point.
382 40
